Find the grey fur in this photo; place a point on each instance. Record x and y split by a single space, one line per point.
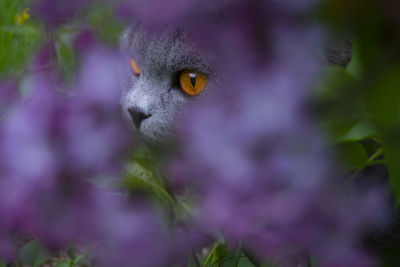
156 91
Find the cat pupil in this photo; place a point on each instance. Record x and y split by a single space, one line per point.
192 79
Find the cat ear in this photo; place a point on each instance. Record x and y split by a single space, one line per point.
130 33
134 41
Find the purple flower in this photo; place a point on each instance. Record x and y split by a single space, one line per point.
173 12
57 12
8 94
262 178
249 150
59 145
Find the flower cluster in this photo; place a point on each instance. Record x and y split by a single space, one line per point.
60 145
250 151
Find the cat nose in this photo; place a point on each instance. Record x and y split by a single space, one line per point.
137 116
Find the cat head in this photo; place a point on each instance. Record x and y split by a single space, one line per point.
162 73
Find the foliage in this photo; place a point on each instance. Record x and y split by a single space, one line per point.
17 42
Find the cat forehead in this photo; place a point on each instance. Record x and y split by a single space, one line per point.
170 50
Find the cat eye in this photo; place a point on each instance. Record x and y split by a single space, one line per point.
135 67
192 82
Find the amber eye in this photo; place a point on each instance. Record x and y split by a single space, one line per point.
135 67
192 82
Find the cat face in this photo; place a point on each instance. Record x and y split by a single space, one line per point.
162 73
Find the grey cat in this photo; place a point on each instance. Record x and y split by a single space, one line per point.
152 88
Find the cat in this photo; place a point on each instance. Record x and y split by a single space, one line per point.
164 72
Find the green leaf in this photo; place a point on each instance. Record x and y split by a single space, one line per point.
384 104
340 107
210 255
65 263
245 262
338 129
78 259
34 254
70 263
141 173
25 29
361 130
66 57
2 263
354 68
219 254
138 177
392 156
353 154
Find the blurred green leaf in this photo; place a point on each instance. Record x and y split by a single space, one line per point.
363 129
17 42
340 107
66 58
26 29
392 158
78 259
141 173
384 98
245 262
338 129
336 81
64 263
354 68
210 255
353 155
34 254
219 253
384 103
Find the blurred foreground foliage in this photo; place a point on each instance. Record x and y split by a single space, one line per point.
17 41
21 38
358 106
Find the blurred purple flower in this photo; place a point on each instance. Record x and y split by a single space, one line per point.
57 12
58 146
262 177
9 94
251 154
172 12
180 13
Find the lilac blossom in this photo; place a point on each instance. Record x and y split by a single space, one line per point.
9 94
250 151
57 12
182 13
59 145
